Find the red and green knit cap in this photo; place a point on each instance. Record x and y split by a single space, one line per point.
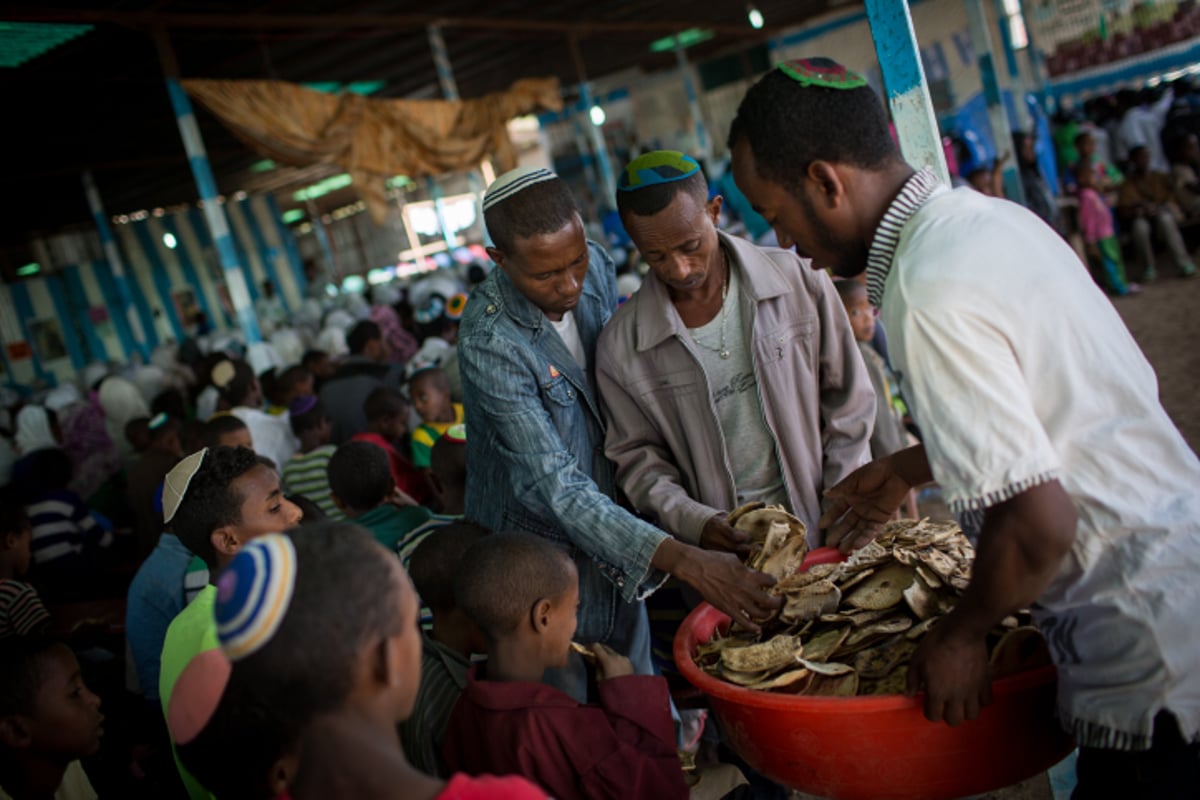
823 72
655 167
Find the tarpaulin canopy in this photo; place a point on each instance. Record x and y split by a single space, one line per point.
374 139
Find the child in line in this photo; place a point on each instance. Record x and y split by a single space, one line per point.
70 544
446 649
319 627
306 472
360 480
21 610
889 434
227 430
215 501
523 592
430 392
242 394
48 721
387 428
448 480
1099 236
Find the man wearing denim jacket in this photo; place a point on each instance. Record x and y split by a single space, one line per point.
535 454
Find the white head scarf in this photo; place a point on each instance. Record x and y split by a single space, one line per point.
333 341
289 345
121 402
61 397
261 356
33 430
92 373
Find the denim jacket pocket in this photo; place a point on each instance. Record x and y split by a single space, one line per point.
774 344
559 390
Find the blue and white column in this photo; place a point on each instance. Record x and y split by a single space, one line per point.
1037 63
214 214
600 148
445 74
908 93
129 327
981 41
703 143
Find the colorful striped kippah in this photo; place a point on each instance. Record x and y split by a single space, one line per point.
513 183
434 307
253 594
655 167
455 306
824 72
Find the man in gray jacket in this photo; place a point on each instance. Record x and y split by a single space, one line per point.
732 375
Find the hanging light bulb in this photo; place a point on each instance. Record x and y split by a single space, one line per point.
169 240
597 116
755 16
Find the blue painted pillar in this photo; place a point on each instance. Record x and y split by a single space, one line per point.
703 143
579 120
129 327
1037 62
445 73
331 271
907 91
599 146
1002 126
1006 43
288 240
214 214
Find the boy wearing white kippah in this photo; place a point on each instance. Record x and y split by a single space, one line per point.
215 501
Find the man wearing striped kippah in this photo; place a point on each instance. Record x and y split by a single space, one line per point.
535 454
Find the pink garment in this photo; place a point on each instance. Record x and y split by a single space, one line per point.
401 344
1095 217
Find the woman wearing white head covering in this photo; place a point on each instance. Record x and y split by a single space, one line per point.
121 402
272 435
62 398
34 430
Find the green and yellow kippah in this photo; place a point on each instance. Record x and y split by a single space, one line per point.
823 72
655 167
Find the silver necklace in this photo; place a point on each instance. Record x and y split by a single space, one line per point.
721 350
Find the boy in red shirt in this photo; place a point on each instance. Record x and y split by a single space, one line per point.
387 427
523 593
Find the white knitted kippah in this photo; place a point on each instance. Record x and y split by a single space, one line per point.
514 182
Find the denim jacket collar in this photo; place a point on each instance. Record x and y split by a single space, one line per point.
522 310
658 321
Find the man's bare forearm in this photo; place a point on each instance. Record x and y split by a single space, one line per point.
1021 547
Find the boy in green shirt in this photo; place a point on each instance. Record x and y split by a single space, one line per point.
362 486
430 391
215 501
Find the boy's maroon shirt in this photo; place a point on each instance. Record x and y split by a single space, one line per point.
407 477
624 747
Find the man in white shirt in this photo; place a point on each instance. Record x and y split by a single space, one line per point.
1142 126
1038 408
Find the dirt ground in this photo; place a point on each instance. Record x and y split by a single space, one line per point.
1165 320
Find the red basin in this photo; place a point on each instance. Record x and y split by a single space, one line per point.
880 748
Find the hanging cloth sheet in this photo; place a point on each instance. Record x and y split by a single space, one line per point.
374 139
